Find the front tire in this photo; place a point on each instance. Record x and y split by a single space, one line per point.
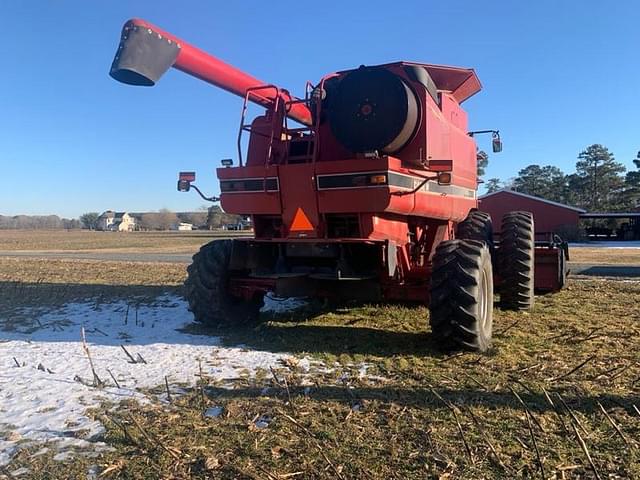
206 288
461 306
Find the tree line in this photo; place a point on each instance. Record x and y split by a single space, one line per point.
37 222
599 184
163 219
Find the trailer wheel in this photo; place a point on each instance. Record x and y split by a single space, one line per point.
516 261
206 288
477 226
461 306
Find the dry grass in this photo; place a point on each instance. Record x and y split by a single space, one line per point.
89 272
90 241
606 256
399 421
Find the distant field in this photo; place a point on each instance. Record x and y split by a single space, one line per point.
188 242
605 256
87 241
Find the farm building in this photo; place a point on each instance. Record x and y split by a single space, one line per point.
116 222
549 217
182 226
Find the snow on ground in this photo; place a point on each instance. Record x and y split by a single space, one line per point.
41 399
620 244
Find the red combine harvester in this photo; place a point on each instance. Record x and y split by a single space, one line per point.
370 195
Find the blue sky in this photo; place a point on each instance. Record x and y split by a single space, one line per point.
557 76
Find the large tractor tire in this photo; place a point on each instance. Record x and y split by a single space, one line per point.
461 306
516 261
477 226
206 288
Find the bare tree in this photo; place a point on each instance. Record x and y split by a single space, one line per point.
196 218
166 218
149 221
161 220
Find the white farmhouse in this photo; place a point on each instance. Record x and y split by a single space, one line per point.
116 222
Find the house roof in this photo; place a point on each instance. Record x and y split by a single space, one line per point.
112 214
532 197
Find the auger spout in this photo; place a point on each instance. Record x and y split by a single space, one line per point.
146 52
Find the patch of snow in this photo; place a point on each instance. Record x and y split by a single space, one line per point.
262 422
20 471
93 472
50 404
213 412
362 371
275 305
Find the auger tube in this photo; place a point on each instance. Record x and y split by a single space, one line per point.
146 52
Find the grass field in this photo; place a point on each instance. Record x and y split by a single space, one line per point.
416 413
557 397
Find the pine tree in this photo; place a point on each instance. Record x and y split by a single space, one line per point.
483 160
632 186
598 180
547 182
555 187
529 180
493 185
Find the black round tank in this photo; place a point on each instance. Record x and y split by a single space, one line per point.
373 109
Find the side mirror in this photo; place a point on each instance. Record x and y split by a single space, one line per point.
184 181
496 143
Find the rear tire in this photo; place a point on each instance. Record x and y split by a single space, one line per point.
206 288
477 226
516 261
461 306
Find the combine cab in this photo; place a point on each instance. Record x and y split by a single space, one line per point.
364 189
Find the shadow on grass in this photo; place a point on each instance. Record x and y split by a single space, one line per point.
607 271
304 338
412 396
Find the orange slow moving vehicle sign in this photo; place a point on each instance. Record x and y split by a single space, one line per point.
300 222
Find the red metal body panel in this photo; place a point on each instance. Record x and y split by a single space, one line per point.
441 133
548 217
302 179
547 269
